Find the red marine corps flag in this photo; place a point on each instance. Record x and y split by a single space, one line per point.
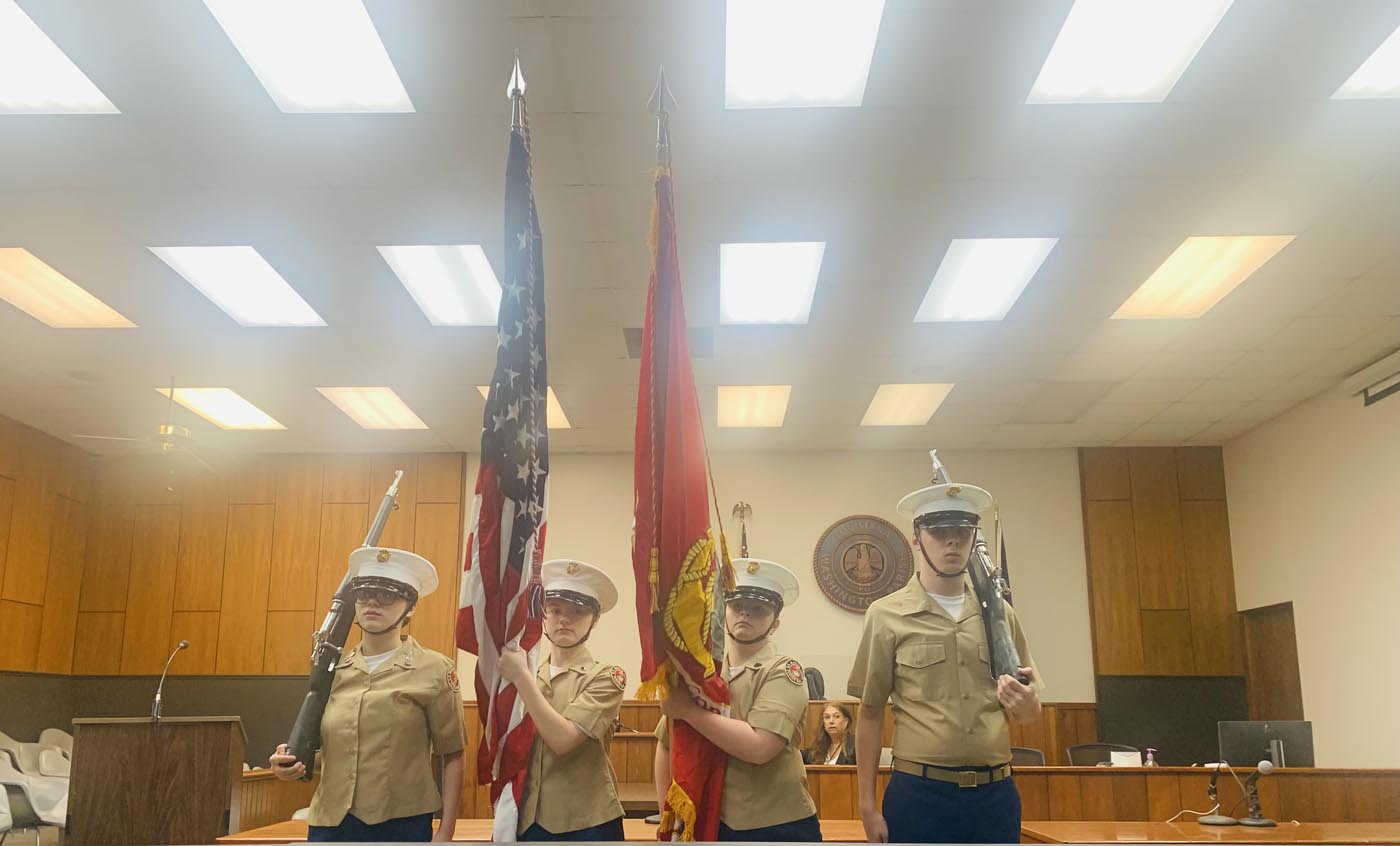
499 604
674 557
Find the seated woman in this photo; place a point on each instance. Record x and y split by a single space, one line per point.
836 744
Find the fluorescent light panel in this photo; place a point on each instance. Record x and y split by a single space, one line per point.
1116 51
51 298
981 278
453 285
905 405
374 408
768 283
1199 274
1378 76
314 55
222 407
753 406
786 53
37 78
554 416
241 282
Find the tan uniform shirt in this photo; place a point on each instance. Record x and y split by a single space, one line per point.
378 732
937 672
578 790
770 692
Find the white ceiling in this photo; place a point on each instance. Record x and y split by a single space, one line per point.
1247 143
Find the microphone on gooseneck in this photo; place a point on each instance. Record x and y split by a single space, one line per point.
1251 794
155 706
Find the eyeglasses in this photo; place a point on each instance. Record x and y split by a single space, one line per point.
944 533
379 596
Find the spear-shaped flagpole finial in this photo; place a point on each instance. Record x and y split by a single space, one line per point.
742 512
515 92
661 104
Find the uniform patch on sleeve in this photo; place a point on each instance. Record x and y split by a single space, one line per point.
452 681
619 678
793 671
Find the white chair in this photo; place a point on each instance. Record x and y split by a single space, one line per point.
57 737
53 763
7 821
46 799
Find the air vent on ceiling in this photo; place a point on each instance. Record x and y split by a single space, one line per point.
701 339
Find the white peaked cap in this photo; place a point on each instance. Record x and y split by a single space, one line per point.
767 575
579 577
398 565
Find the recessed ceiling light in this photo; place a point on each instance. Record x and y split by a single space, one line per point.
554 415
786 53
768 283
241 282
314 55
981 278
904 405
1378 76
222 407
374 408
37 78
453 285
1199 274
1111 51
48 296
753 406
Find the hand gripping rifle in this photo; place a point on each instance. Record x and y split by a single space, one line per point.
991 590
327 644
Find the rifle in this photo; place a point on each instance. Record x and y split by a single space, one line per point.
991 590
328 643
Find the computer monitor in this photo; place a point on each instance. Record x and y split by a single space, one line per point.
1287 743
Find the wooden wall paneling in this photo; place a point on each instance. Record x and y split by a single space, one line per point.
7 500
838 797
1295 798
67 551
1113 587
1271 649
155 551
1097 797
252 480
398 532
20 624
288 651
1373 798
201 629
107 570
1166 643
1086 722
440 477
345 478
1200 473
1063 790
296 534
199 577
31 521
10 435
437 530
1130 797
640 760
97 643
265 799
342 530
1103 473
1161 559
1163 796
76 471
243 607
1217 635
1329 799
1035 796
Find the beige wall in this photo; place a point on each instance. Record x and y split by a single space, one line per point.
796 496
1315 520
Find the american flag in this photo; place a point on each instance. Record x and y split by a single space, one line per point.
506 545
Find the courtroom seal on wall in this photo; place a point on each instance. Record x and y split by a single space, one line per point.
860 559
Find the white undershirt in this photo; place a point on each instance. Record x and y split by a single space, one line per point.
374 662
952 604
555 671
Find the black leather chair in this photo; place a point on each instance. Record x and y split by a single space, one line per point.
1093 754
1024 756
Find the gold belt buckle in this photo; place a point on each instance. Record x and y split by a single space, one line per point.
967 778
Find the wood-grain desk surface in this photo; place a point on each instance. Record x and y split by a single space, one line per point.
1065 831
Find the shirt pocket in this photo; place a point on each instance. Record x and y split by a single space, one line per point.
982 679
921 668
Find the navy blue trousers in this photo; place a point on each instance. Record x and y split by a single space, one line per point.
608 831
798 831
415 829
922 810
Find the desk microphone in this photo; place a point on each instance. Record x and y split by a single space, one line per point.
1214 817
1251 792
155 706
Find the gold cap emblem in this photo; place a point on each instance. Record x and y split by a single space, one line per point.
752 568
572 569
954 490
382 556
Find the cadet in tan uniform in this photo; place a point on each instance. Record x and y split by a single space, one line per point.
924 648
570 789
392 707
765 783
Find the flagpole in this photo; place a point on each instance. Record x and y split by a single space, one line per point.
662 104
